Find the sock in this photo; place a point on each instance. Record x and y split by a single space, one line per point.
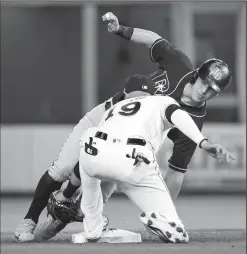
43 190
77 171
70 190
73 184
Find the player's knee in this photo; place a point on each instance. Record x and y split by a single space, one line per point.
59 174
167 230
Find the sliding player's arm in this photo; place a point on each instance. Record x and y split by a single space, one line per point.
182 152
136 35
161 50
182 120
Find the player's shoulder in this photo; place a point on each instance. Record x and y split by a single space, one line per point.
163 50
159 45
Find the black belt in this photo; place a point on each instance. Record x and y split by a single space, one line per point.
130 141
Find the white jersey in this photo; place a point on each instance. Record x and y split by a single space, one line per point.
139 117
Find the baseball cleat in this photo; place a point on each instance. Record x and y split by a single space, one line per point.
167 231
24 232
49 229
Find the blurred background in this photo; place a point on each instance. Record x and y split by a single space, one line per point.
58 61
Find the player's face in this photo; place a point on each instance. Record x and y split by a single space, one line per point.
202 91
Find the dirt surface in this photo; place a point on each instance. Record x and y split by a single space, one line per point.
216 224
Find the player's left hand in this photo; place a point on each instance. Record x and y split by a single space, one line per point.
112 21
217 151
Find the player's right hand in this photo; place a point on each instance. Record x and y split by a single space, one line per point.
217 151
112 21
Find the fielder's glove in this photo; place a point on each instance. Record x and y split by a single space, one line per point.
64 211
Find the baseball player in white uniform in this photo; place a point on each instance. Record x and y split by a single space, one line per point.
122 149
68 158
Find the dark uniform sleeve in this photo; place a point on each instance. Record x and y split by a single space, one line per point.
163 52
183 148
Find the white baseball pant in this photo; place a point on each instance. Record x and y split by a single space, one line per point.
62 168
142 183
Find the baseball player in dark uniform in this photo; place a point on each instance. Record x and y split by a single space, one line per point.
177 78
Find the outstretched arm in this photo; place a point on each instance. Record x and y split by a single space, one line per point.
185 124
161 50
136 35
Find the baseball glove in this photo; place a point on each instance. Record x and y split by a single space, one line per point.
66 211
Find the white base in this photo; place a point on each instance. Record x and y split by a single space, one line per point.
110 236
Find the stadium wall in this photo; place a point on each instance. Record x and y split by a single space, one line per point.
28 150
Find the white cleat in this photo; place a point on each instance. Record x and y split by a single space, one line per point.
167 231
110 236
24 232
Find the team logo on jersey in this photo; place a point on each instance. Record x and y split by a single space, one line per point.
161 83
89 149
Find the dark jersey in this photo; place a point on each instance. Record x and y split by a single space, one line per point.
174 72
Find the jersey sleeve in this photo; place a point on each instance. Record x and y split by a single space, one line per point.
160 50
163 52
183 148
170 106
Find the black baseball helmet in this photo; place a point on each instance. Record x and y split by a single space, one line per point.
216 73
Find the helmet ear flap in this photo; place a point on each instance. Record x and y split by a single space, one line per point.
194 77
